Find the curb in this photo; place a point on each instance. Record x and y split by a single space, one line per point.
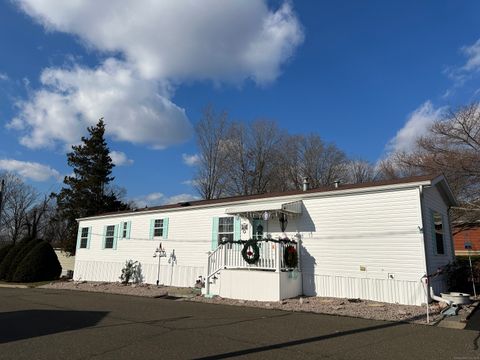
14 286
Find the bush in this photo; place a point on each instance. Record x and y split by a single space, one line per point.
27 245
8 259
40 264
130 271
459 275
4 251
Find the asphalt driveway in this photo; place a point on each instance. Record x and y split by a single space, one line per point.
56 324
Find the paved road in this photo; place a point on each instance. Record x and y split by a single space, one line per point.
55 324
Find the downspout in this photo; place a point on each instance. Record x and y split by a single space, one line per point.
438 298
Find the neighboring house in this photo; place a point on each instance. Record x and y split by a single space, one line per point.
467 240
66 261
370 241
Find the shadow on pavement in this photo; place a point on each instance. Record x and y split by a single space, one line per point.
25 324
298 342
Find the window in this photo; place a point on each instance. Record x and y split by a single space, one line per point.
109 237
438 233
124 230
158 228
257 231
84 238
225 228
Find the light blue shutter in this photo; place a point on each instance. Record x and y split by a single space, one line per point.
120 230
129 227
152 223
104 236
165 228
89 237
115 236
215 233
236 228
79 235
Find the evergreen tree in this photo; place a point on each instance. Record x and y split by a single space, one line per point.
88 191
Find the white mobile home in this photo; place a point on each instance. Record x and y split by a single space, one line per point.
371 241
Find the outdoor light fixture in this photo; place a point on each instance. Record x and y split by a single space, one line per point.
283 222
159 252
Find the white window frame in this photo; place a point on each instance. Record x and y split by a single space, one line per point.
107 236
222 234
160 226
434 234
124 230
84 237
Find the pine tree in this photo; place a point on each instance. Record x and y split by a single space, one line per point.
88 191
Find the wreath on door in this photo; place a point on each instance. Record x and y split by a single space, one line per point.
290 256
251 252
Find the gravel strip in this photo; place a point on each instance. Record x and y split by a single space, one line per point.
332 306
342 307
146 290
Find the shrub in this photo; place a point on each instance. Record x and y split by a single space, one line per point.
40 264
27 245
8 259
129 271
459 275
4 251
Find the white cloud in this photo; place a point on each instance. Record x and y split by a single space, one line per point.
416 125
156 198
191 160
460 74
3 76
119 158
161 44
135 110
30 170
177 40
175 199
472 53
189 182
148 200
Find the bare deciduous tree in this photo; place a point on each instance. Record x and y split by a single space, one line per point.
38 217
253 158
360 171
211 132
19 198
322 163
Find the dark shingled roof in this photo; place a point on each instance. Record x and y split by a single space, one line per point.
405 180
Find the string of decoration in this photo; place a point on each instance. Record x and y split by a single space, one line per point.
243 242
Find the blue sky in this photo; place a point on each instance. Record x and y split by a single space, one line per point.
368 76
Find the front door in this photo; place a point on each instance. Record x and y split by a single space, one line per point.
258 228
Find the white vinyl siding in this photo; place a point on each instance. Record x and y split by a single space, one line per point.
433 201
350 240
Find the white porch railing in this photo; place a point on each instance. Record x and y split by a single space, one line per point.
229 256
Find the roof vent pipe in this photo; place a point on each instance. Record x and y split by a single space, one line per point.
336 183
306 184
